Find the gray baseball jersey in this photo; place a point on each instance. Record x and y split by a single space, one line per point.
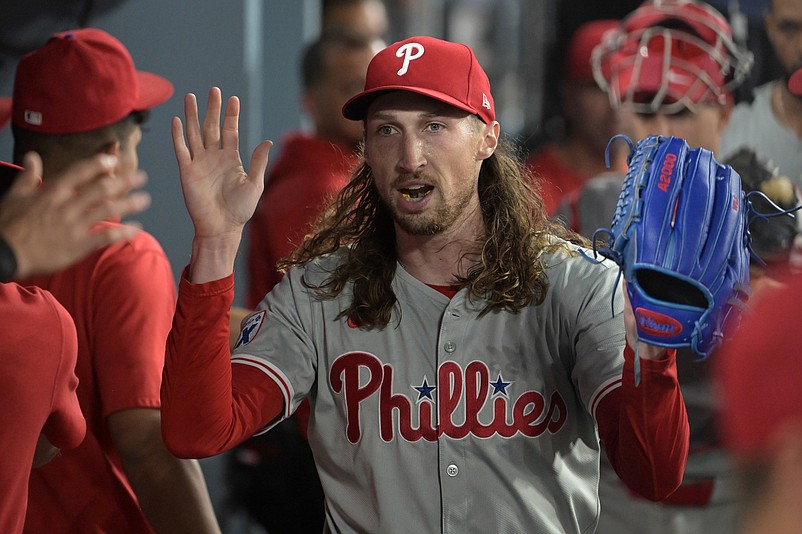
445 420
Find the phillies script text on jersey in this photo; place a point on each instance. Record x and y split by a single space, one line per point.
531 414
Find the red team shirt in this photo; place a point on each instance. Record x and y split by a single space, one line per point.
308 173
122 300
38 382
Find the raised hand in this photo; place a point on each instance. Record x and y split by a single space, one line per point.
53 226
220 196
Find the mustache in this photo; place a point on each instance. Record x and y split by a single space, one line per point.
417 176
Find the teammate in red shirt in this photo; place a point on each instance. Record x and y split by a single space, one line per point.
76 96
563 166
312 167
42 230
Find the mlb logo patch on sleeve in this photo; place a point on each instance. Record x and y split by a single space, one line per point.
250 327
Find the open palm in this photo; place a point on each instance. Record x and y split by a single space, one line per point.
219 194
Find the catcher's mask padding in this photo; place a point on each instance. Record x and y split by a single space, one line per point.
662 287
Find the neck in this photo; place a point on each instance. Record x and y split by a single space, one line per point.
787 108
439 259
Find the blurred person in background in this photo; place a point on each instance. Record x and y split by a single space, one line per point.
562 167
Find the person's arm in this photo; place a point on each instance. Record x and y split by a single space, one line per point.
644 426
220 196
44 229
207 406
171 491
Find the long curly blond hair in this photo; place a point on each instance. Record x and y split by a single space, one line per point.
507 272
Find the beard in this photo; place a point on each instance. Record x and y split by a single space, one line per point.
443 217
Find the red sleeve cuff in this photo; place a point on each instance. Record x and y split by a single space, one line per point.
215 287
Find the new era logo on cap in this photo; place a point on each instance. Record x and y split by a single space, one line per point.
33 117
439 69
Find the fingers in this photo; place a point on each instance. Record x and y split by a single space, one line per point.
101 188
211 123
182 155
130 205
108 235
231 124
83 175
259 161
28 180
194 140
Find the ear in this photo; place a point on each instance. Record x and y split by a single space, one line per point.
489 141
113 148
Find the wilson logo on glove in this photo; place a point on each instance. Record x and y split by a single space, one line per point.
657 324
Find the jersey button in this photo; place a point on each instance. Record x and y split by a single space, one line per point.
450 347
452 470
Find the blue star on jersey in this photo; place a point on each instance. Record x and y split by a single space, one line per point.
425 390
499 386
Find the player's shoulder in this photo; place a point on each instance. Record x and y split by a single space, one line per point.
317 269
568 264
29 305
140 244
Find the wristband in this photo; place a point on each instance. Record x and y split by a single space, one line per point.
8 261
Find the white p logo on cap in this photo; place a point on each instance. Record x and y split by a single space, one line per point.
409 51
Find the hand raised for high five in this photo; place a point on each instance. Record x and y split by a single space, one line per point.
52 226
220 196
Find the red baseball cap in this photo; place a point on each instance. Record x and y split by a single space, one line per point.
583 41
795 82
758 374
445 71
79 81
5 112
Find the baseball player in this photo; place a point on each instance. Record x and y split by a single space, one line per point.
40 410
77 96
462 361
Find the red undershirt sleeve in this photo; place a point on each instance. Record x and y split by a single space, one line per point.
208 407
645 429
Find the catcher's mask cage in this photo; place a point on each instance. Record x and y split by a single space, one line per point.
668 56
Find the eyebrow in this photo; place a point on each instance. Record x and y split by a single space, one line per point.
385 116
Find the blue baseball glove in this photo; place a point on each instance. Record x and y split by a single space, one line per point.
679 235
